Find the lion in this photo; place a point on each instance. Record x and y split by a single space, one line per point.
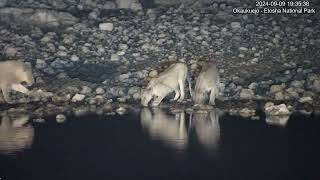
12 74
172 79
207 83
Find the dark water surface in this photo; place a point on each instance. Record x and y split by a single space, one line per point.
158 145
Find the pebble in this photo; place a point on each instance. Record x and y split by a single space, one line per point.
100 90
243 49
74 58
246 112
106 26
60 118
115 57
85 90
306 100
121 110
276 88
235 25
78 98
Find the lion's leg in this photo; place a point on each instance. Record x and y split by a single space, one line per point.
20 88
5 91
212 96
177 94
181 86
157 101
199 97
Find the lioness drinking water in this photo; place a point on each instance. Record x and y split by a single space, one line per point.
172 79
207 82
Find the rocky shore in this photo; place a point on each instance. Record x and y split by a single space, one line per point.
96 58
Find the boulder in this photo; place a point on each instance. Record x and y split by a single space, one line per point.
276 110
38 17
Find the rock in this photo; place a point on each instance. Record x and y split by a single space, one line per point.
41 64
136 96
134 90
62 53
246 112
74 58
123 47
39 120
316 85
243 49
276 110
306 100
123 77
50 18
92 101
122 99
100 90
121 110
279 96
153 73
235 25
246 94
297 84
292 93
93 16
10 52
276 88
253 86
45 40
80 111
99 99
115 57
85 90
109 5
60 118
78 98
107 107
106 26
254 60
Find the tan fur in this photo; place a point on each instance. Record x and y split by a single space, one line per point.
169 129
207 82
12 74
172 79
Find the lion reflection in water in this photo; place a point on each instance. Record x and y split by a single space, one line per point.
207 128
172 130
15 135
